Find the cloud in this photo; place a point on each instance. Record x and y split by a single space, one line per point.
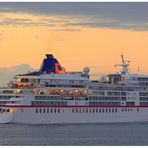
20 19
7 74
22 22
115 15
2 34
68 30
113 25
69 21
13 21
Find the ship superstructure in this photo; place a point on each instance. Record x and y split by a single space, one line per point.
52 95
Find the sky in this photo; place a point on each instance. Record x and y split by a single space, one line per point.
79 34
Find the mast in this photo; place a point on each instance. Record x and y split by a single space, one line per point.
124 64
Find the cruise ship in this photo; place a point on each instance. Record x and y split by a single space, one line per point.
52 95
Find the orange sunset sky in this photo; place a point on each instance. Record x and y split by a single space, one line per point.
78 34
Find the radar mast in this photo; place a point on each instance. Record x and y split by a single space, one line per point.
124 64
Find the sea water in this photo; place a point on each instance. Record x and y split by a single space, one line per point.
74 134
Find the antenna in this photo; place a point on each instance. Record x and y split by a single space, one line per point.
124 64
122 57
138 69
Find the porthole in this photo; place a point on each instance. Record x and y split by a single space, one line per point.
51 110
76 110
36 111
47 110
112 110
86 110
109 110
55 110
44 110
106 110
93 110
40 110
83 110
90 110
79 110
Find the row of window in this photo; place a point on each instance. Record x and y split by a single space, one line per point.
64 81
128 109
142 79
60 98
72 86
5 97
144 98
143 93
5 102
119 88
51 110
94 110
116 93
64 103
84 110
130 103
2 110
104 103
47 97
106 98
143 103
97 92
78 98
49 103
143 83
106 88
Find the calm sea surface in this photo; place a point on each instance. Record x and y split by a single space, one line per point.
74 134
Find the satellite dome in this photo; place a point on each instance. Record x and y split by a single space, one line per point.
86 70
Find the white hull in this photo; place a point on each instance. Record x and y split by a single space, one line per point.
29 116
6 118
